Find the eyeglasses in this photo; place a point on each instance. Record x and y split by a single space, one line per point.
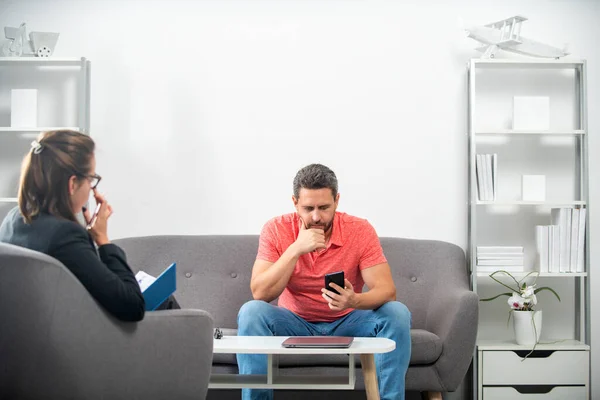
94 179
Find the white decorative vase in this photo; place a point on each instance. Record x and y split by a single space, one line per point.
528 326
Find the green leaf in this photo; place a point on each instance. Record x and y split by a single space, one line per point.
495 297
524 279
502 283
547 288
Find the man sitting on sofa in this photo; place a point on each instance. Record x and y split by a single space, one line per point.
295 252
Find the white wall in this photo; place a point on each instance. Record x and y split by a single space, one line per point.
204 110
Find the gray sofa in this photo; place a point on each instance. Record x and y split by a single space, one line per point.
431 278
56 342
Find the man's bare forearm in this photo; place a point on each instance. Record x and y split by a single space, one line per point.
374 298
269 284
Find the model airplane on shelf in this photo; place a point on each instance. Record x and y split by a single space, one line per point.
39 44
506 35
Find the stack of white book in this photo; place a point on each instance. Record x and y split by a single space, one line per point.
560 246
486 166
494 258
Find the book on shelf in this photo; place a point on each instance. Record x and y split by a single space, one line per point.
541 243
481 250
547 248
574 233
554 251
507 268
499 256
562 218
501 262
494 258
479 176
560 247
494 175
486 171
487 177
580 266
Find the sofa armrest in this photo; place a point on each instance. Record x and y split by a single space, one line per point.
173 349
60 343
453 317
166 355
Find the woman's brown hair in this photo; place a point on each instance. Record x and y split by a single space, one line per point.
46 170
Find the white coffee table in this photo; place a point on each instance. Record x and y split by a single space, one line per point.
271 346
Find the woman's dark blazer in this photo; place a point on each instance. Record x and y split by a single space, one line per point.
104 272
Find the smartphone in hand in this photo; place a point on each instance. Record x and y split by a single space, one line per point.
92 220
335 277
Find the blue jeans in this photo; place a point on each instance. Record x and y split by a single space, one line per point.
391 320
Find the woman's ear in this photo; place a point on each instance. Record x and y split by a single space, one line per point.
73 184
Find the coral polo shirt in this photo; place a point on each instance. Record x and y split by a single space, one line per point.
353 246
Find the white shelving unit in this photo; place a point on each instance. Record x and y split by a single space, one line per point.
559 366
63 86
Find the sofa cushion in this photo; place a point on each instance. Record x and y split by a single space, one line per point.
213 272
425 349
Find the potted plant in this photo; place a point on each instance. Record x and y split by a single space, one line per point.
522 300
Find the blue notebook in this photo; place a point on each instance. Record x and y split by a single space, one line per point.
160 289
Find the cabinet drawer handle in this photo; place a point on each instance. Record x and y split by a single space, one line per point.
535 354
538 389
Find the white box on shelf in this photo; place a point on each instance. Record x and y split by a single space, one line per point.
534 188
23 108
531 113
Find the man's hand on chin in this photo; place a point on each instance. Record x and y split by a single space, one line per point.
309 240
338 302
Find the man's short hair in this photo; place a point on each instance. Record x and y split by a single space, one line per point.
315 176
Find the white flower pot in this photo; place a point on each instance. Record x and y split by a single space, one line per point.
528 326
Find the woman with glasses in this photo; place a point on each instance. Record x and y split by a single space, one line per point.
57 176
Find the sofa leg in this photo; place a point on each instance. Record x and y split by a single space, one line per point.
431 395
